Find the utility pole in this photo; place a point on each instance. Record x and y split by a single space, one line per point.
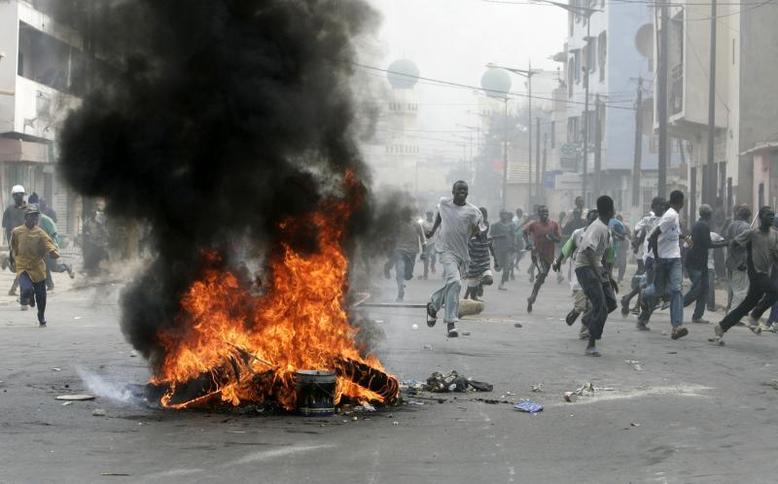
539 190
662 98
529 132
597 145
709 190
636 167
505 159
586 108
545 158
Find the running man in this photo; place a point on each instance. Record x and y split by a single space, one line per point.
594 276
581 303
697 263
544 233
457 221
645 257
761 254
665 241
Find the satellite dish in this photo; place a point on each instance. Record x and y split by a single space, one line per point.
644 40
496 83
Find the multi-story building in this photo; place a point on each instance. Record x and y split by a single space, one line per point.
609 45
746 107
41 70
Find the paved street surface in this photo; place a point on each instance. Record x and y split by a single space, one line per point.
688 412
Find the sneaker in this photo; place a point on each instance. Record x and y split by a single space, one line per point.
451 329
718 335
700 321
642 326
42 324
571 317
754 325
502 288
679 332
529 304
593 351
764 327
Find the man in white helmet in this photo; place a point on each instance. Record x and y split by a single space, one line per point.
12 218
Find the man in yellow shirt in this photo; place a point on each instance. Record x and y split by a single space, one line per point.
29 247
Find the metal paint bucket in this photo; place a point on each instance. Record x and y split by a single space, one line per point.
315 392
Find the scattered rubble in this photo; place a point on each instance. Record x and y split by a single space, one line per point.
537 388
453 382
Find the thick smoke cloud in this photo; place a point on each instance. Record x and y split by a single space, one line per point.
211 120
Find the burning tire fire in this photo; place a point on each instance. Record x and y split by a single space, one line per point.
238 348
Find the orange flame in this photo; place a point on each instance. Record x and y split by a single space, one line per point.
231 335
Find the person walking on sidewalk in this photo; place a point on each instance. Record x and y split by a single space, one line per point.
457 221
594 276
697 263
545 234
29 247
761 254
665 242
736 256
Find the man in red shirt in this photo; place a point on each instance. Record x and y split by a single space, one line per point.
544 234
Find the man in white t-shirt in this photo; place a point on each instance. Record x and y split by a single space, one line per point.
664 241
457 220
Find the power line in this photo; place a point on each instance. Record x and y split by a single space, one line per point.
478 88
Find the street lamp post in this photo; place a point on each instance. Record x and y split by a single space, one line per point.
527 74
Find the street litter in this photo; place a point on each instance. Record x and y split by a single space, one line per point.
427 347
635 364
518 325
537 388
528 406
98 412
56 369
67 404
414 326
587 389
78 397
453 382
76 317
465 333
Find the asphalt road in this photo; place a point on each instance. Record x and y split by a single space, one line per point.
688 412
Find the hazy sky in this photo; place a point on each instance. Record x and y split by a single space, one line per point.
454 39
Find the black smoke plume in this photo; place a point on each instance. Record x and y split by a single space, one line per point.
212 120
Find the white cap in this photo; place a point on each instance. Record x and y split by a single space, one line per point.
17 189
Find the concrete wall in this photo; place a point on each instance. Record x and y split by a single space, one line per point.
758 74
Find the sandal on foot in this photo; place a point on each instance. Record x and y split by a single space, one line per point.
432 315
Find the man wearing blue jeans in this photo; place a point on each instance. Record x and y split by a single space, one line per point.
665 242
457 220
697 263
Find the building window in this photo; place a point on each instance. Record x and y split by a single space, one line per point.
573 130
49 61
577 65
